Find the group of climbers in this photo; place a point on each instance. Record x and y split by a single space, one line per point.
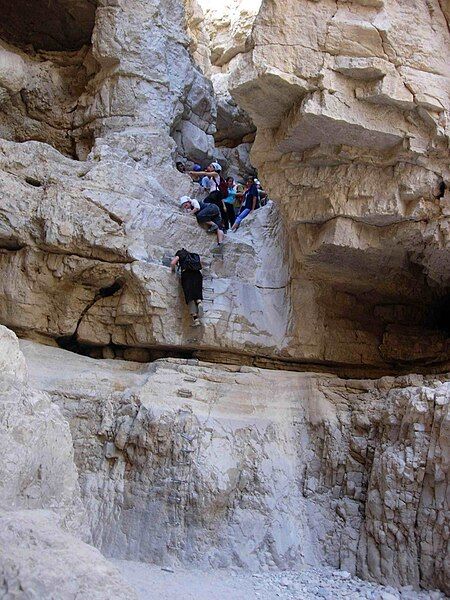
233 201
217 214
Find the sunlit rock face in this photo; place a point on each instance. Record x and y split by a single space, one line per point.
206 456
84 243
352 141
219 32
350 265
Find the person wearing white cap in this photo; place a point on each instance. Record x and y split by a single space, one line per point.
218 191
206 214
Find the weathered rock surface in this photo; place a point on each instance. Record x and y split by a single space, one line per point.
86 248
218 33
367 274
352 141
86 239
39 560
36 469
223 465
41 508
183 461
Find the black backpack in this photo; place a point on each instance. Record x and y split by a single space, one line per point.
191 262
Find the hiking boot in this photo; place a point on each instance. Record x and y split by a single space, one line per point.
200 308
213 228
195 322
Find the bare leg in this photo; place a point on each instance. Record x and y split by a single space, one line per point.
193 311
219 234
192 306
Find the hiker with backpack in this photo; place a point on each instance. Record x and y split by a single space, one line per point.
206 214
190 266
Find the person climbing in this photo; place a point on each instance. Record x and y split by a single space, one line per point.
262 194
206 214
230 200
190 265
218 191
250 204
196 169
221 184
205 177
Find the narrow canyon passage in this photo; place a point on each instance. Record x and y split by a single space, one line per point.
295 444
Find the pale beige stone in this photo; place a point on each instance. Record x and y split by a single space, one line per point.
224 463
350 155
38 560
202 451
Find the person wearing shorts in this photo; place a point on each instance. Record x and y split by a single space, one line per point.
192 284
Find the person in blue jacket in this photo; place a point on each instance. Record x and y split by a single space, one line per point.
250 203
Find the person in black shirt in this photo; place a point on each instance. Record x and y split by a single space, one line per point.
192 284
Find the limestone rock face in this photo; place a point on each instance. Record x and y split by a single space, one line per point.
366 278
41 508
87 240
86 246
210 446
351 472
37 469
218 33
352 141
39 560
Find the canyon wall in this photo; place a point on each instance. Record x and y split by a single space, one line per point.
213 446
352 140
184 462
42 517
338 271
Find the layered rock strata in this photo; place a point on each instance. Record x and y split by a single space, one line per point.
193 462
352 117
103 226
224 464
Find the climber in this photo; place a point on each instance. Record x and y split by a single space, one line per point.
218 191
230 199
191 281
250 203
196 169
206 176
262 194
206 214
180 166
